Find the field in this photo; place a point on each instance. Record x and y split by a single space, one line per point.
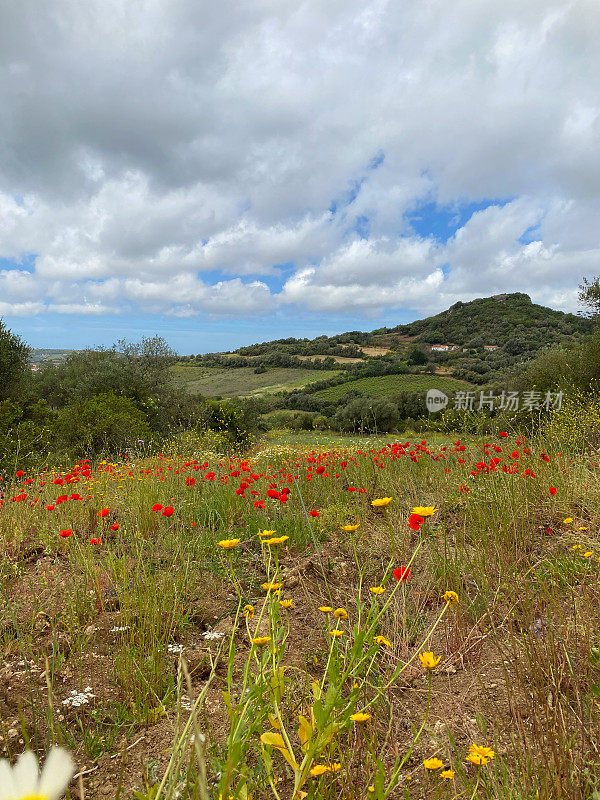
392 384
342 618
244 382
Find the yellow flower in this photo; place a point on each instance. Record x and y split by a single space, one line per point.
278 540
480 755
447 774
428 660
576 547
286 603
424 511
248 611
350 528
382 640
266 533
433 763
336 633
360 717
227 544
381 501
271 587
261 640
326 609
340 613
582 528
451 597
319 769
377 589
588 554
568 520
334 766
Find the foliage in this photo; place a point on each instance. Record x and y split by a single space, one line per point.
14 355
102 424
366 415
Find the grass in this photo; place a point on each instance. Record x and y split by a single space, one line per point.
244 382
208 667
392 384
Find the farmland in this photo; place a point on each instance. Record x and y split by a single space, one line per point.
244 381
392 384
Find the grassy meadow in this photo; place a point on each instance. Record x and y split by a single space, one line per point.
285 625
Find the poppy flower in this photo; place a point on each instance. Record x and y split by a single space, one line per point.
552 490
402 574
168 511
95 541
114 526
157 507
19 473
66 533
104 513
313 513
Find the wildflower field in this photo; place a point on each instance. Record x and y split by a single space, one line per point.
383 620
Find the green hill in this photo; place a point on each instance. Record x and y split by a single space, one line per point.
510 321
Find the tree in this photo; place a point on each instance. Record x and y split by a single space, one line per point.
102 423
589 296
368 415
14 357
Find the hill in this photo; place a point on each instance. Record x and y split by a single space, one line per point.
510 321
45 356
473 342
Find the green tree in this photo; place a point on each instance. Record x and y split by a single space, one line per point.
14 357
589 296
103 423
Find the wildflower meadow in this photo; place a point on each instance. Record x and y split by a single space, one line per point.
406 619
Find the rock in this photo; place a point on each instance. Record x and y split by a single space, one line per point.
42 622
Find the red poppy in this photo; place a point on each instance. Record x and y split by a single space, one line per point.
313 513
552 490
104 513
19 473
402 574
95 541
66 533
190 481
168 511
157 507
114 526
49 508
503 434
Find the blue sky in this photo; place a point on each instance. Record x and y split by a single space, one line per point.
235 173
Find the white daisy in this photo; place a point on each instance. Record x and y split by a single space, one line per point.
24 780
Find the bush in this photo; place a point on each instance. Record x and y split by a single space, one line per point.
367 415
103 423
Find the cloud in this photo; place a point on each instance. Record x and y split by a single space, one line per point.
236 159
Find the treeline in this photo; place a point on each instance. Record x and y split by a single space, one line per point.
105 401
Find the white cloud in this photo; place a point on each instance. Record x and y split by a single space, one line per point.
166 157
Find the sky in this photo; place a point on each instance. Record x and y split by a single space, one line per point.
226 173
